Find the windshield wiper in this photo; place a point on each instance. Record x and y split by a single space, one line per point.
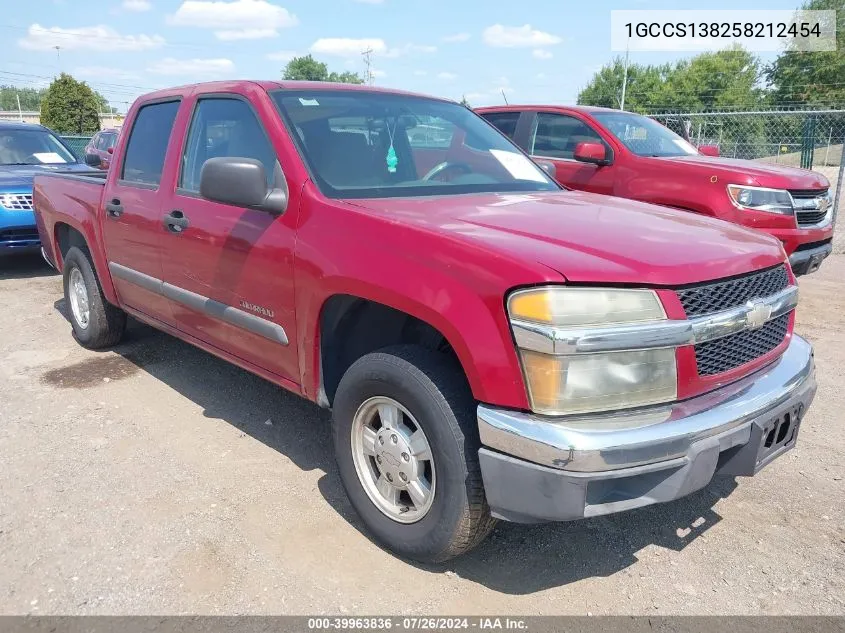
15 164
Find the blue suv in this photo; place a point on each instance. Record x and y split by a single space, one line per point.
25 150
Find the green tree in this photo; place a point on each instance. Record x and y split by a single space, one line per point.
306 68
465 103
710 80
30 98
804 78
70 107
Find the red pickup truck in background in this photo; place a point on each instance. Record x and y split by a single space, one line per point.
491 345
623 154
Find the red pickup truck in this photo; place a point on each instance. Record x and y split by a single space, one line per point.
491 345
623 154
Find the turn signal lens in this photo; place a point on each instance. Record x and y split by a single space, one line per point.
578 307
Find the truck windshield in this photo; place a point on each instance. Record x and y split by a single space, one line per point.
32 147
360 144
644 136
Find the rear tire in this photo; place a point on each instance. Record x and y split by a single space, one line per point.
96 323
428 392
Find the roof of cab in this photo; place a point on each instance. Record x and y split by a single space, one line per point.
237 85
514 108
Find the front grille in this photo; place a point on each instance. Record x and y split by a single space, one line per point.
807 211
730 352
18 235
16 201
723 295
809 218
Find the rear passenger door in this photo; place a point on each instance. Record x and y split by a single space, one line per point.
229 269
132 229
554 137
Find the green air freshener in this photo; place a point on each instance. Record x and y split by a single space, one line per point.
391 159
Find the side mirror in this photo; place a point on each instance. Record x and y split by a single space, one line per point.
547 166
92 160
242 182
110 150
595 153
709 150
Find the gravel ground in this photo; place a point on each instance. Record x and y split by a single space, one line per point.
156 479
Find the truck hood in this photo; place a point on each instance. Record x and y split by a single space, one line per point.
591 238
20 176
747 172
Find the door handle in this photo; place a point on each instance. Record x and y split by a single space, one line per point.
175 221
114 209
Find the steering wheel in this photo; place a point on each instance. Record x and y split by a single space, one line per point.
446 164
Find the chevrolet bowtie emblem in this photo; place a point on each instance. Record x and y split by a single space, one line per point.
758 314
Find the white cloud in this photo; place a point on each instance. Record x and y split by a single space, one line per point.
137 6
540 53
236 20
447 76
502 36
93 38
347 47
457 37
281 56
104 72
193 67
407 49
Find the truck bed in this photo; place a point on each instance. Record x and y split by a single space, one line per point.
67 199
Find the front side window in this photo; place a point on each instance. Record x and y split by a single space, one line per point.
224 127
360 144
557 135
109 139
147 146
32 147
644 136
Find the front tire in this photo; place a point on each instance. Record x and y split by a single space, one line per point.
96 323
406 443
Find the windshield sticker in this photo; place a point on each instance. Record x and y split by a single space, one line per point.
309 102
518 165
49 158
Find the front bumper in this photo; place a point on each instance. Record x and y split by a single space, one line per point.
804 262
539 468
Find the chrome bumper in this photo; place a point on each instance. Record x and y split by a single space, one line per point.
635 458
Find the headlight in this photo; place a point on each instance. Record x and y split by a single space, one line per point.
589 382
761 199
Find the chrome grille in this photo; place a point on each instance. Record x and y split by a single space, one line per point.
723 295
734 351
811 205
16 201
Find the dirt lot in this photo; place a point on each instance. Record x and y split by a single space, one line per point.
156 479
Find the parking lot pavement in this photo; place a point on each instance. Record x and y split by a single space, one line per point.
157 479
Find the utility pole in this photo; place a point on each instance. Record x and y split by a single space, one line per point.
59 57
504 97
20 113
368 62
624 79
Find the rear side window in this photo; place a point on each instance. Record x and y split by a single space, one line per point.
147 146
109 140
224 127
505 121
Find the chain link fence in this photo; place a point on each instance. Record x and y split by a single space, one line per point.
810 139
76 143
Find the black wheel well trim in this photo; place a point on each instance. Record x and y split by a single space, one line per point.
351 327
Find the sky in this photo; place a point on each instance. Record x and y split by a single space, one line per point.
544 51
